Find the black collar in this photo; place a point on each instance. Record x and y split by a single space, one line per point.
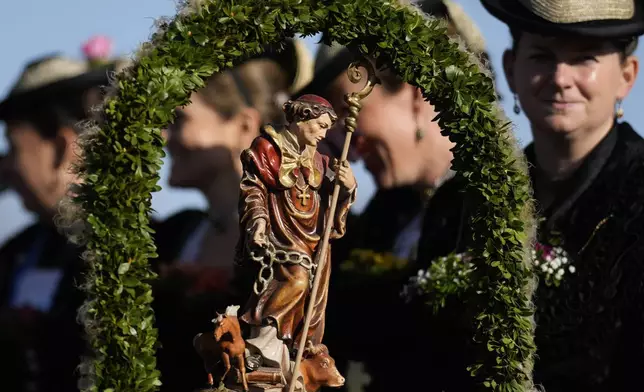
579 182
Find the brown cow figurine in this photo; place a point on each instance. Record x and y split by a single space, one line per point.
318 369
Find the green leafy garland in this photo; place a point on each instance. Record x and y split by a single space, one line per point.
122 160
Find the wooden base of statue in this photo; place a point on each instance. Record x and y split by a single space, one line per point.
251 388
264 379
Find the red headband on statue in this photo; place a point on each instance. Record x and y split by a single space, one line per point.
312 98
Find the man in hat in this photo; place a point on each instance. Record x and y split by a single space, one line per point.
39 269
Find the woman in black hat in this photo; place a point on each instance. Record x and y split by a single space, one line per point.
197 248
40 341
570 66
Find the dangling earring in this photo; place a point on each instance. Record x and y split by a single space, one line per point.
517 108
619 113
419 134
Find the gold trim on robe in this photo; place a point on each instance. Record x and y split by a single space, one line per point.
291 158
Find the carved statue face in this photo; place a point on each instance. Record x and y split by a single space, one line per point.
311 132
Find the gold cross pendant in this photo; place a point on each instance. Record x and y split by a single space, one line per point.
304 197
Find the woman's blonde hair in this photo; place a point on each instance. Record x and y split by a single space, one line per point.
261 84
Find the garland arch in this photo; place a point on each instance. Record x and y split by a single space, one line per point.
123 157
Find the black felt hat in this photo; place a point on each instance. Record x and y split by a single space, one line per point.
47 78
596 18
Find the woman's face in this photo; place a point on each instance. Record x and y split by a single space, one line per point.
386 138
568 85
202 144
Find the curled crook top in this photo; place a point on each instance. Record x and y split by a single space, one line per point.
355 76
353 99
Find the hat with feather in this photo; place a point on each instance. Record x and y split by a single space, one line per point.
49 77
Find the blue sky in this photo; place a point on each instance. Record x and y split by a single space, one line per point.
32 28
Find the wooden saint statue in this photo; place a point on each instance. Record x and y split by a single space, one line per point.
293 200
285 193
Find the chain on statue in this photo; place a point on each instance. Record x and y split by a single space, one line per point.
266 257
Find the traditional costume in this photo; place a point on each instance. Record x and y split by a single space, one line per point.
589 316
41 342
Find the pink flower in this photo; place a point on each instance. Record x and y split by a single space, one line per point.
98 48
545 250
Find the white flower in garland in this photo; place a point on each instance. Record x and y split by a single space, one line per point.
415 286
446 276
449 275
552 262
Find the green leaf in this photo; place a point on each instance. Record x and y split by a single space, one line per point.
123 268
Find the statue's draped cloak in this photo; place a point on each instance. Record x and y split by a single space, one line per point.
274 175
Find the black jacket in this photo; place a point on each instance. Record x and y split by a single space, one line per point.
41 349
589 328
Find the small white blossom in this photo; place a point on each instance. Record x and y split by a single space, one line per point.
552 262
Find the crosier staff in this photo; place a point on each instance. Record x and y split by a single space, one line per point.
353 100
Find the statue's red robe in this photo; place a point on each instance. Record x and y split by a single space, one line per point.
274 176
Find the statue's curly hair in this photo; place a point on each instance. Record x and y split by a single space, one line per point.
297 110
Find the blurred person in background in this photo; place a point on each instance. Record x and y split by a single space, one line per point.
40 340
396 138
570 66
409 158
197 248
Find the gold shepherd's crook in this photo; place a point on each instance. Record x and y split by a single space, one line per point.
353 100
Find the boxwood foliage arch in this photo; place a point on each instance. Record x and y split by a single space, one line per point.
123 157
